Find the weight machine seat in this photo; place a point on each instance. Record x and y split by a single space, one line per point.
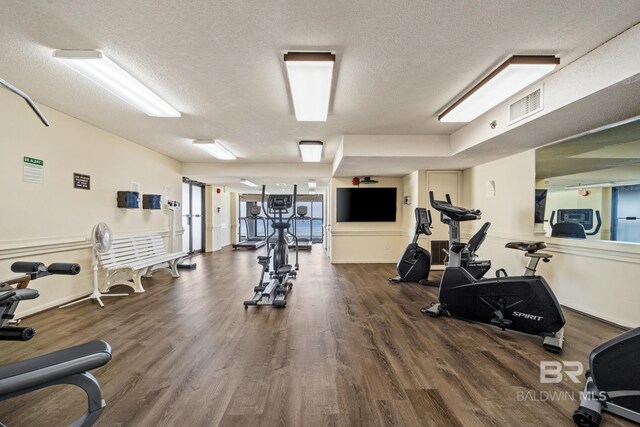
30 374
529 247
20 295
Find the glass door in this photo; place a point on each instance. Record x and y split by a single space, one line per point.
193 216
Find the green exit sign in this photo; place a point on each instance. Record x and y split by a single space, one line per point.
33 161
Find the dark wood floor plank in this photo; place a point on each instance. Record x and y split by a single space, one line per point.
350 349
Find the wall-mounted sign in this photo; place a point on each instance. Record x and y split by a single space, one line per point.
81 181
33 170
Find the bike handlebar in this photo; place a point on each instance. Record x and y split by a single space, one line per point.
459 213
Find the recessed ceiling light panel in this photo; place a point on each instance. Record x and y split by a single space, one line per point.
95 66
310 75
248 183
513 75
311 151
215 148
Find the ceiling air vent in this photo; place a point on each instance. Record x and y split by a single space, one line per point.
527 106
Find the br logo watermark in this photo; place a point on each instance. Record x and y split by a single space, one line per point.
553 372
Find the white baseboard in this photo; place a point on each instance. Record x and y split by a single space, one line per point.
56 303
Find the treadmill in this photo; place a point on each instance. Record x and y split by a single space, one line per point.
252 241
304 243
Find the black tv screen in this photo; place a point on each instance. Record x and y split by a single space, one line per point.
366 204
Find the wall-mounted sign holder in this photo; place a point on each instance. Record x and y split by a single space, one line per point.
128 199
151 201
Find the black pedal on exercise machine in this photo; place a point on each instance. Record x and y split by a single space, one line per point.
415 263
274 290
613 381
68 366
520 303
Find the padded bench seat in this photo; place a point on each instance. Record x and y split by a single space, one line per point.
137 257
68 366
25 374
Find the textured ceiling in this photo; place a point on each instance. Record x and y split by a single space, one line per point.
219 63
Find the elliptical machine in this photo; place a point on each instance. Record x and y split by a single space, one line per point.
613 383
274 290
521 303
415 263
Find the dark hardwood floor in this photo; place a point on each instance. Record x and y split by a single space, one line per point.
349 349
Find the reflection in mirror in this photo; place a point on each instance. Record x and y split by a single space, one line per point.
588 185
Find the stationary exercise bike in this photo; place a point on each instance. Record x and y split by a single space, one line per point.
465 254
415 263
274 290
613 381
521 303
68 366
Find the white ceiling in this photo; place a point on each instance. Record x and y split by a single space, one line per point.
220 63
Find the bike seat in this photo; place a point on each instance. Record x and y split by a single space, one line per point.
530 247
284 269
457 248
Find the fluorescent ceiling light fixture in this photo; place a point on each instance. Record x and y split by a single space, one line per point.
248 183
311 151
513 75
579 186
310 76
312 184
95 66
214 148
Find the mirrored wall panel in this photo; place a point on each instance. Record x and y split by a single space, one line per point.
588 186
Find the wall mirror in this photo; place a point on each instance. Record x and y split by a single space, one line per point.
588 185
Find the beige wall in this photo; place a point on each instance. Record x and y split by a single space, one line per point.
221 210
594 277
366 242
49 222
218 213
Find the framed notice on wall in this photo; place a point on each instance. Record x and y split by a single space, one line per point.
81 181
33 170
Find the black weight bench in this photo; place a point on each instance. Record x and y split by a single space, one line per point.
68 366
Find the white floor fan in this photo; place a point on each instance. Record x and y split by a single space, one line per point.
100 243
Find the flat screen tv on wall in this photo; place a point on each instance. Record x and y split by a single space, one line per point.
366 204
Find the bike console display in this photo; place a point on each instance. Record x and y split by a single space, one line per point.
280 202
